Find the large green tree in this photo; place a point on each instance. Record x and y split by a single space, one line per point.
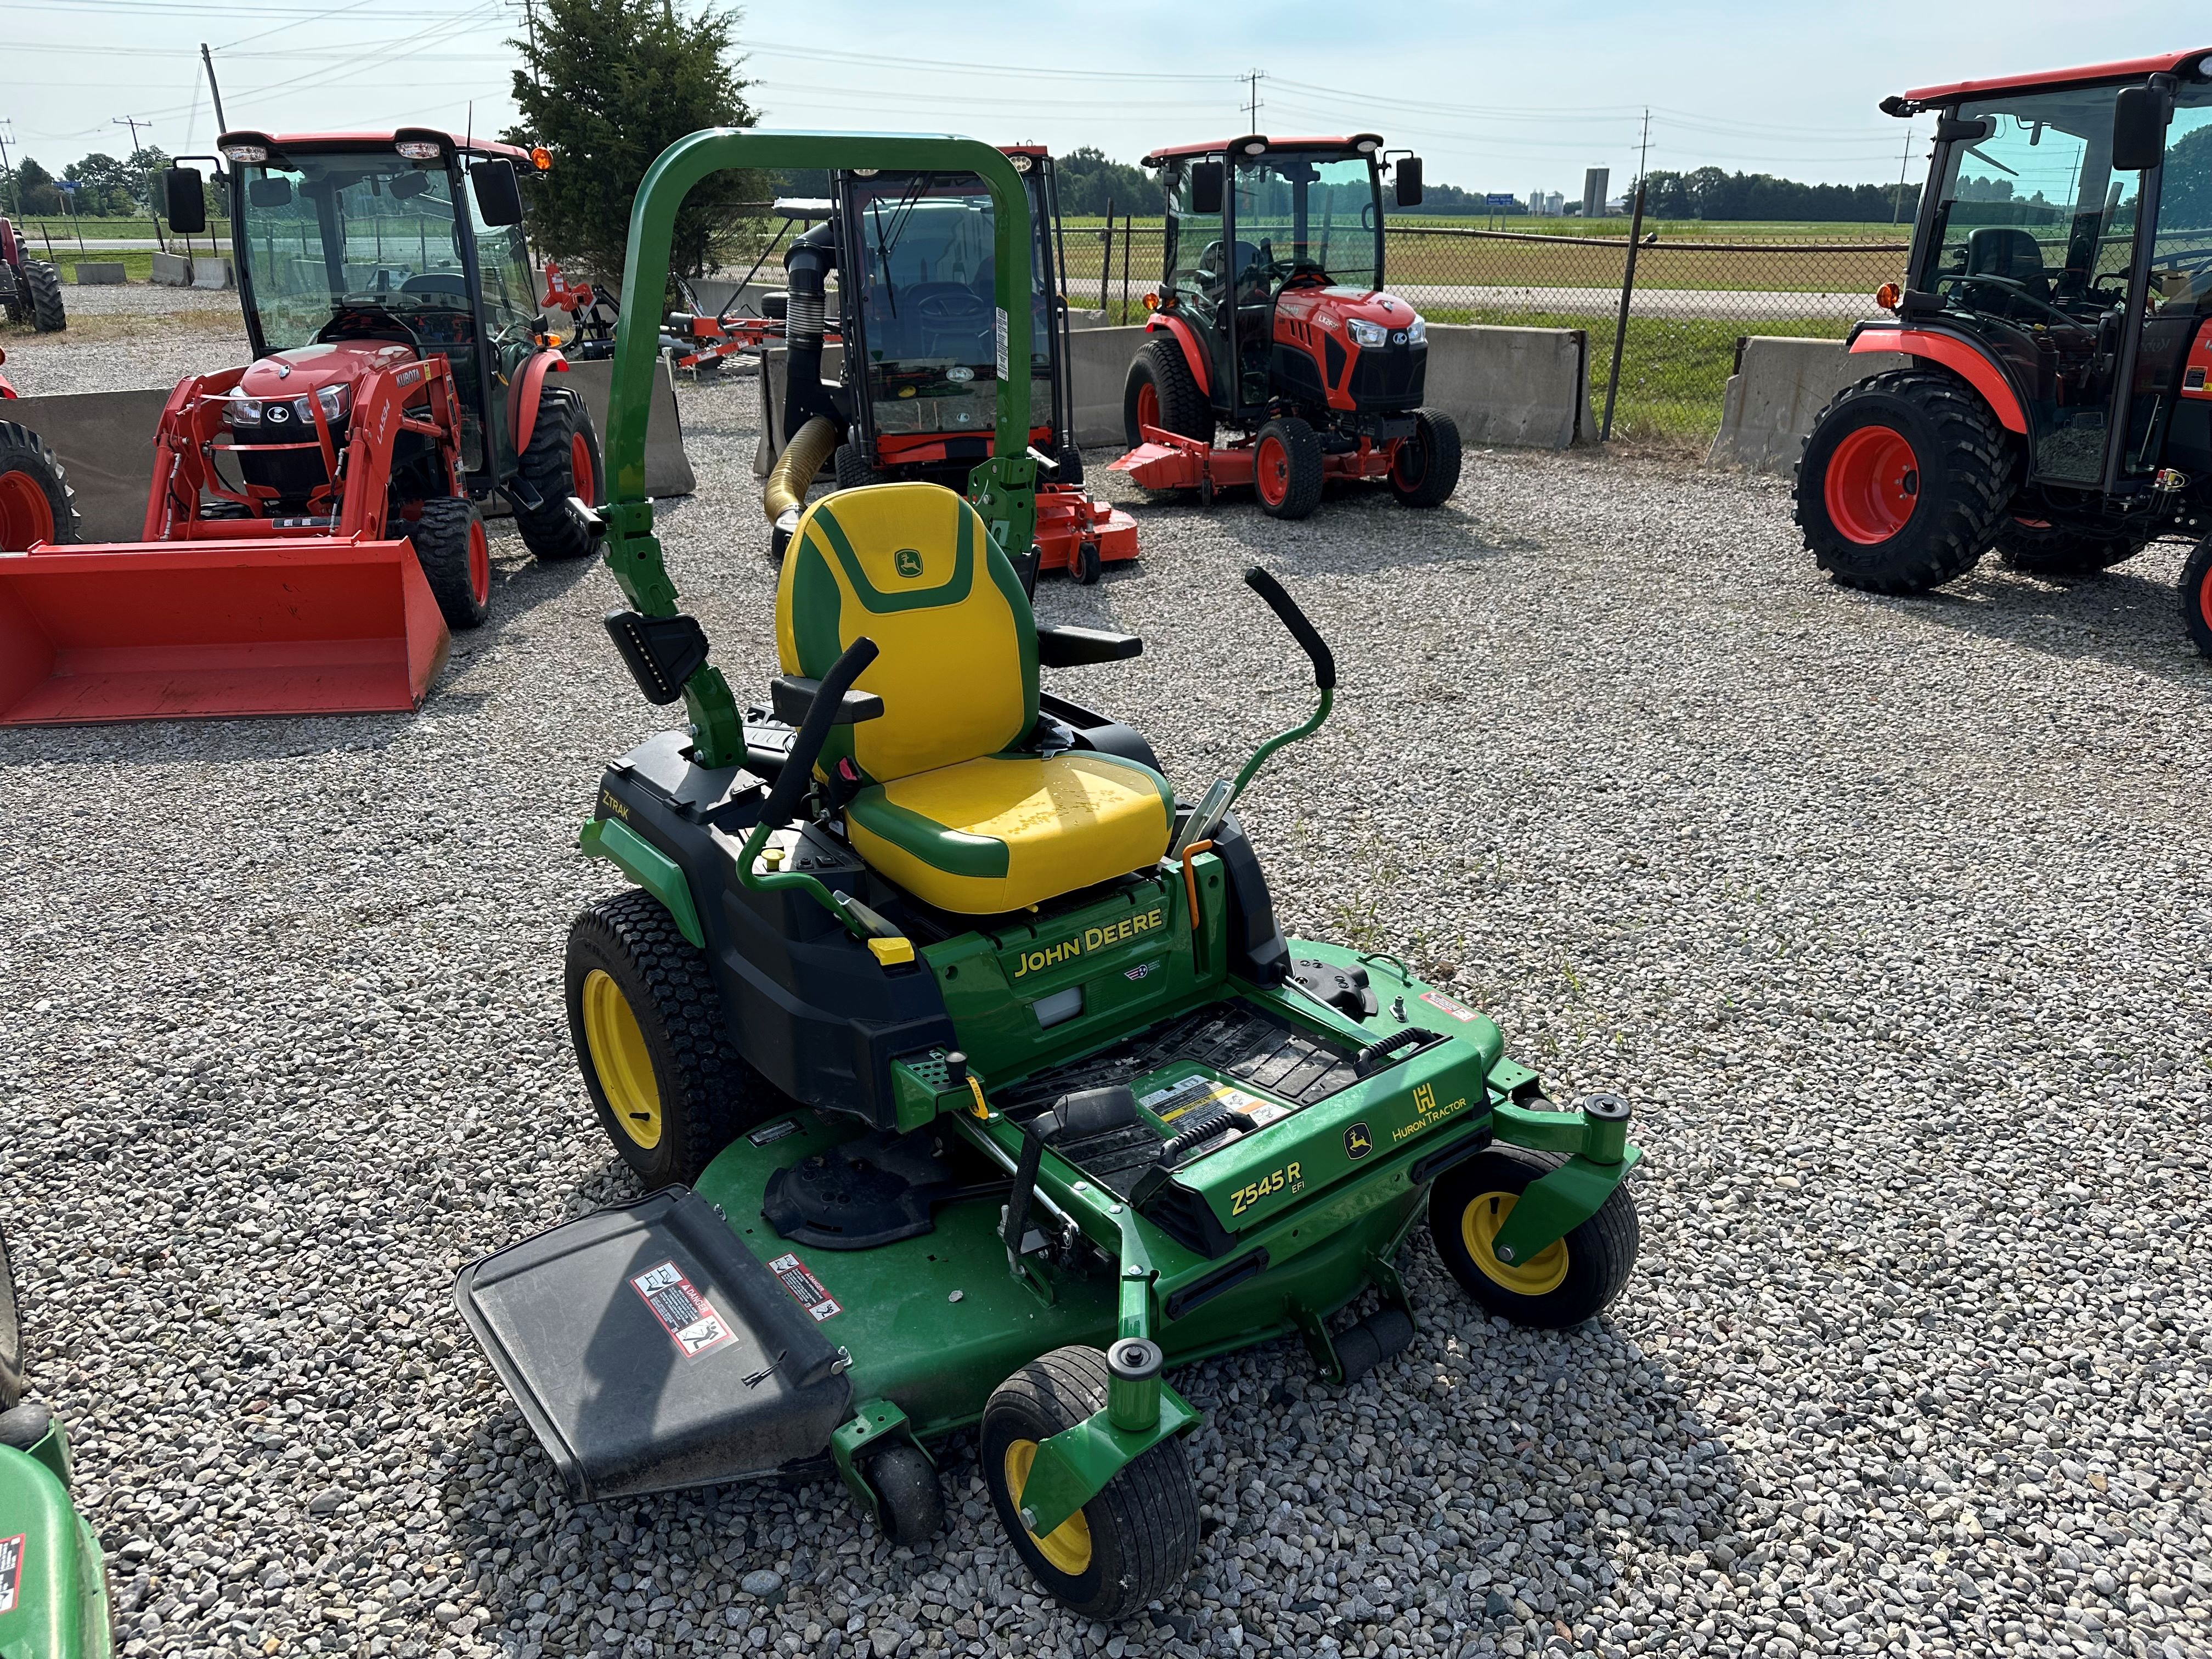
607 85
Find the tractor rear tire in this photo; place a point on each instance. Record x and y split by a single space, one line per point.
455 554
1161 391
44 284
1425 470
36 502
1286 470
1070 469
669 1088
1134 1541
852 467
2196 597
561 460
1562 1285
1903 482
2059 549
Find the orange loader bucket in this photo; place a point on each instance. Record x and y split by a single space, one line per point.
149 631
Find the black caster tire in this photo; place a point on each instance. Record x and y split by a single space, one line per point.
1088 567
1286 468
36 502
563 460
11 1336
1574 1280
1384 1334
911 1501
668 1087
1903 482
455 553
1131 1545
1425 470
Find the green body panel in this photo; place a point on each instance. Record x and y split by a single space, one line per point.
648 867
876 1421
1073 1466
1554 1206
1003 488
60 1610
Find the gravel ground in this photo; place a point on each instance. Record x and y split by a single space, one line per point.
127 338
1889 915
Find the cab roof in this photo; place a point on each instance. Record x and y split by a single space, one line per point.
2132 68
310 142
1220 146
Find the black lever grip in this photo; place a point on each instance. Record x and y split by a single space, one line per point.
792 783
1302 631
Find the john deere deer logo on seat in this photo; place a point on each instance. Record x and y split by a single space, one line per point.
908 561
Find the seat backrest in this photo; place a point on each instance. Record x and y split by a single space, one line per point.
911 567
2008 250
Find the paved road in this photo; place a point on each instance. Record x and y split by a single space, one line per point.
1725 304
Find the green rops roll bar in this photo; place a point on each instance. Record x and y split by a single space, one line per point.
1003 488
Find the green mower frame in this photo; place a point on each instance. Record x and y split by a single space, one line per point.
768 1016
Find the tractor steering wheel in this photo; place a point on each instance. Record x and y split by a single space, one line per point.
951 307
351 306
2013 286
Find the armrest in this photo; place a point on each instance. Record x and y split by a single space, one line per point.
792 697
1077 648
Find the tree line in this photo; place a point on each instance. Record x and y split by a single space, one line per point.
1709 193
105 186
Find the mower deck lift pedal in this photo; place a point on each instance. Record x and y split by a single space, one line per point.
650 1350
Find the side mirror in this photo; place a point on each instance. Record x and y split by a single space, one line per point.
1205 187
184 200
1407 180
2140 115
499 197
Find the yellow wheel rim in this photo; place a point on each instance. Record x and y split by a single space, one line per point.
620 1060
1478 1226
1068 1548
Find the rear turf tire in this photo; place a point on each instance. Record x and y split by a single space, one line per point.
909 1500
1286 472
1070 469
1425 470
455 553
2196 597
669 1089
1903 482
1569 1281
45 283
2059 549
1161 391
563 460
1134 1542
853 468
36 502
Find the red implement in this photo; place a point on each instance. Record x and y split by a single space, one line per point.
1167 460
1068 521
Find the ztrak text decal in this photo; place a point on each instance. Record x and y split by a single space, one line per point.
689 1318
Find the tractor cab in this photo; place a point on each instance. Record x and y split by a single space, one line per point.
2066 233
348 245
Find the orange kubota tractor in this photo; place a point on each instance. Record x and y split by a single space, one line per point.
315 523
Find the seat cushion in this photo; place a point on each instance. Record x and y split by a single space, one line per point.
1006 832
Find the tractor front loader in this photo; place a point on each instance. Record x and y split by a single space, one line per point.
315 525
2058 314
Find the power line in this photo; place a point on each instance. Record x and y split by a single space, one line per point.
1252 106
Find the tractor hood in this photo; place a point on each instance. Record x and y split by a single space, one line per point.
1331 308
304 369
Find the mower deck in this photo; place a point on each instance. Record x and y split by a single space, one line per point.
1168 460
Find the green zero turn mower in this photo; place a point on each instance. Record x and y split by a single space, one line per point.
972 1079
53 1583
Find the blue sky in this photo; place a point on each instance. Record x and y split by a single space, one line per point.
1496 97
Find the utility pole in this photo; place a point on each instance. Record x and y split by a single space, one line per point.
1252 106
8 121
222 125
1903 166
1643 155
530 15
145 178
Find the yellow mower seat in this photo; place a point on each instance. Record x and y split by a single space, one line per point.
944 811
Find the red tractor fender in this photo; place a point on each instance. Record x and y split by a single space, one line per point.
1968 363
10 254
1185 337
529 385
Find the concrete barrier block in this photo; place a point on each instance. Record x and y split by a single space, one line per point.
210 273
1526 387
171 271
105 442
667 463
1097 368
1778 390
100 273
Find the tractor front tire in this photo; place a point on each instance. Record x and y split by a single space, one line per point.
36 502
1425 470
1130 1545
1573 1280
1903 482
1286 471
455 554
853 468
1161 391
669 1088
2039 549
561 460
45 283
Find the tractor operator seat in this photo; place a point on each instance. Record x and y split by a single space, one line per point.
950 808
2009 252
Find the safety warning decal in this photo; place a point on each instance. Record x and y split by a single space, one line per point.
1444 1004
690 1319
11 1570
805 1289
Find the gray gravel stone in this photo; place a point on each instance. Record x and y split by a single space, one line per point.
1888 915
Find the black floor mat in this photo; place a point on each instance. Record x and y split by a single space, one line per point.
1233 1038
